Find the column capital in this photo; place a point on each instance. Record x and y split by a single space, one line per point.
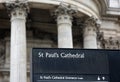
92 21
13 6
65 9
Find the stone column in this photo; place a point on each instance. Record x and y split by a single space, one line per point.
18 11
90 33
64 15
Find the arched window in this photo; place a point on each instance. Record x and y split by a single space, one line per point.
114 3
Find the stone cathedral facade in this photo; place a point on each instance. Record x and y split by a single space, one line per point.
27 24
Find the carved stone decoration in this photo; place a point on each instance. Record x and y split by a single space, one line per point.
111 43
100 40
12 6
65 9
107 43
93 22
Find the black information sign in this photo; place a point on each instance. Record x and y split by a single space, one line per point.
114 65
69 64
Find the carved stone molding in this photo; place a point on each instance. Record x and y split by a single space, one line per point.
65 9
12 6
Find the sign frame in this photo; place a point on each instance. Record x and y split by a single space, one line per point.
31 70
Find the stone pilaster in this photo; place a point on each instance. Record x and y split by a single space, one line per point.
64 14
18 12
90 33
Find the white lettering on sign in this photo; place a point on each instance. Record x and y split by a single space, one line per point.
40 55
55 77
53 55
60 55
69 55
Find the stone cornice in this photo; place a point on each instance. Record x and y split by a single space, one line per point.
84 8
110 18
